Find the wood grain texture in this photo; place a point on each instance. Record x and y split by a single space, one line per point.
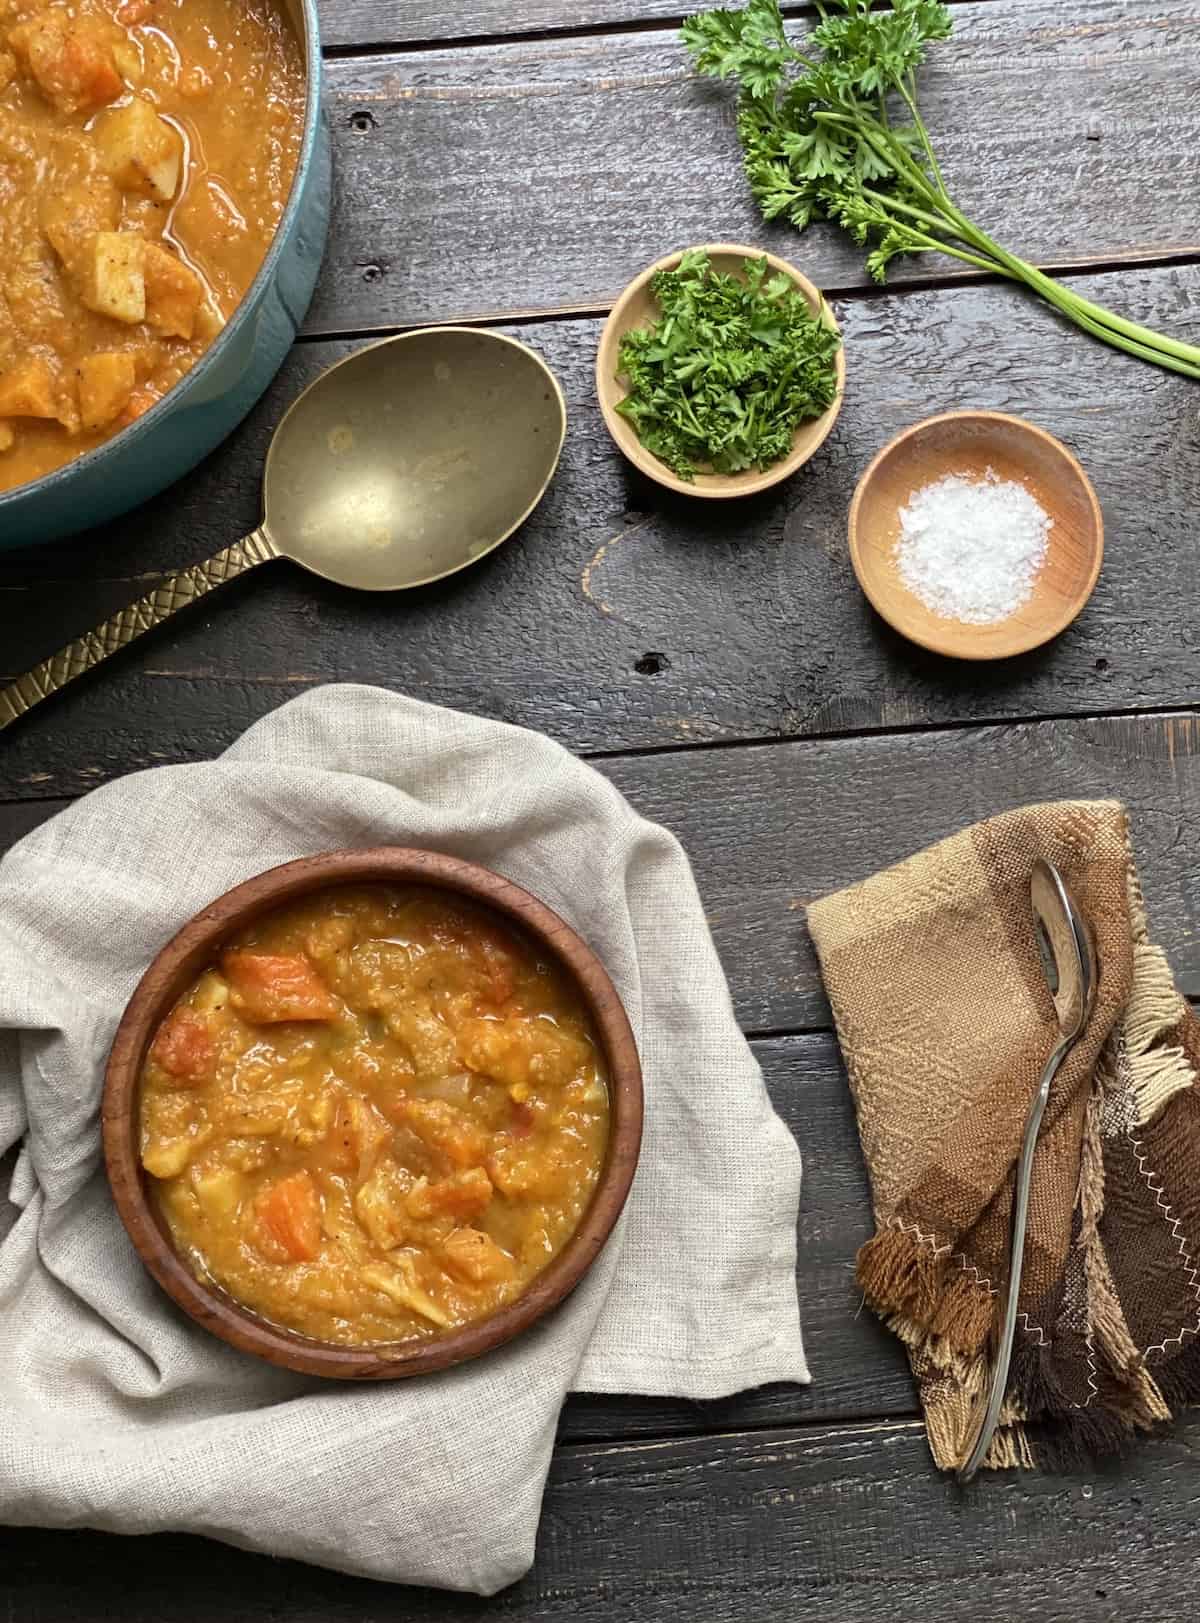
543 175
373 24
768 828
852 1523
622 617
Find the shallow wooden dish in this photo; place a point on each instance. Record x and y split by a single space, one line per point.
637 307
194 946
970 442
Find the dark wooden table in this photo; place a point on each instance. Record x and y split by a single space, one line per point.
515 162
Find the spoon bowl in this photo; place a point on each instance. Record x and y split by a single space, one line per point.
413 457
1067 947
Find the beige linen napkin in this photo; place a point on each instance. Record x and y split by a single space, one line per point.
121 1414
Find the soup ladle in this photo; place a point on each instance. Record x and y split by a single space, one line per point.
1068 953
403 463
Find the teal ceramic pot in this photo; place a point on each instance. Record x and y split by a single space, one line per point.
220 389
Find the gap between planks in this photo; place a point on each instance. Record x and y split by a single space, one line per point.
1184 713
1187 254
556 32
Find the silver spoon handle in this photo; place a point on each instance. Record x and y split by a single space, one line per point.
176 592
1012 1293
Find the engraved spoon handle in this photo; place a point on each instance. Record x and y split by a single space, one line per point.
998 1383
176 592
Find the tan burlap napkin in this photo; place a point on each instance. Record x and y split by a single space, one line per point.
118 1412
945 1022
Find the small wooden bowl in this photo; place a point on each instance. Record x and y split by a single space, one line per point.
637 307
195 946
969 443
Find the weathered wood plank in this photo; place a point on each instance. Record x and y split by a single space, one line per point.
851 1521
622 617
362 25
770 827
542 175
373 24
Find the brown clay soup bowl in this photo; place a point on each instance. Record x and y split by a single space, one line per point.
198 943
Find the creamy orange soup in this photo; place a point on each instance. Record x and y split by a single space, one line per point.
378 1116
147 148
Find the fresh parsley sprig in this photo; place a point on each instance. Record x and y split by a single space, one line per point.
729 372
833 131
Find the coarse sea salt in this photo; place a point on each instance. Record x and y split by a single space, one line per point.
971 549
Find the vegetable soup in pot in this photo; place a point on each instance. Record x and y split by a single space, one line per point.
378 1115
147 150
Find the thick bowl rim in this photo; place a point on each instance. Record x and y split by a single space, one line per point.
1054 627
624 436
57 478
174 966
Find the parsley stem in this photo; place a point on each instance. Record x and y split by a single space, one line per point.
910 97
1068 299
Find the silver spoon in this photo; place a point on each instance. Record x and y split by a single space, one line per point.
401 464
1068 952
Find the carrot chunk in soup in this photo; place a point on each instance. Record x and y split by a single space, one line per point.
320 1148
465 1194
184 1047
476 1257
520 1052
70 59
269 987
446 1128
289 1215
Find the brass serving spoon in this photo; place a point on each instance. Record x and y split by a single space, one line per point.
1068 952
403 463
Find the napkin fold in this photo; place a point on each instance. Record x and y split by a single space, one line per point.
946 1021
121 1414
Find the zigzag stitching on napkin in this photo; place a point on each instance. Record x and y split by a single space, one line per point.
944 1251
1043 1340
1093 1386
969 1267
1155 1186
924 1239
